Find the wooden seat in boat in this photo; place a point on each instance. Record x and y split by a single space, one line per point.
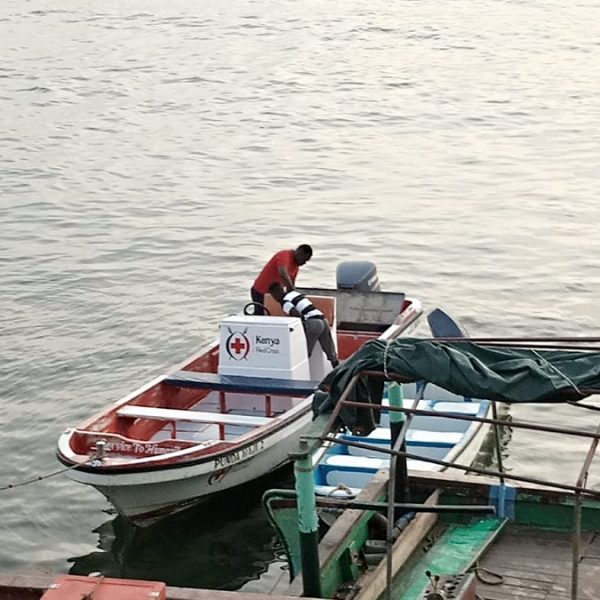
241 383
169 414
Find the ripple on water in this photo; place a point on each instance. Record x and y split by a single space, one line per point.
152 160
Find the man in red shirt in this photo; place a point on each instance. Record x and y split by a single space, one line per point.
283 268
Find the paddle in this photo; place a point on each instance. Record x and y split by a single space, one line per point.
442 325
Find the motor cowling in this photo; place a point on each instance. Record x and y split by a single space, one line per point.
358 275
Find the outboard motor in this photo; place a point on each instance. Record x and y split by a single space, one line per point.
358 275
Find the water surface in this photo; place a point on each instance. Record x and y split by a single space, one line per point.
153 156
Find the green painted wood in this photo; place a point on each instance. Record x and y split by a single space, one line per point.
395 398
536 511
452 554
342 567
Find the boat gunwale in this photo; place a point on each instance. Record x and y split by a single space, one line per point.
256 435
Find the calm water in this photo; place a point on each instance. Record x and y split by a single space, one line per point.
153 155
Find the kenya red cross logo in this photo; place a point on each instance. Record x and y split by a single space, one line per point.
238 344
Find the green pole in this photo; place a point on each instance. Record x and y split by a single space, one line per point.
396 397
308 522
397 418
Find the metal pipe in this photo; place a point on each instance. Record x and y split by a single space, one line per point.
524 340
341 402
396 452
342 503
502 486
540 346
577 510
406 506
443 463
308 522
397 420
576 546
460 417
497 442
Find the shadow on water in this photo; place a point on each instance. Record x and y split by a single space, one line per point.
222 543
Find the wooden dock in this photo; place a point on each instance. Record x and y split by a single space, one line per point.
523 564
532 564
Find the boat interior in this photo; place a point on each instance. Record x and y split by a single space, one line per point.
349 468
199 407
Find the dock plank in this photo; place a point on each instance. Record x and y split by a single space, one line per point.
536 565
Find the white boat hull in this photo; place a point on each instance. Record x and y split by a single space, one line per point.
148 495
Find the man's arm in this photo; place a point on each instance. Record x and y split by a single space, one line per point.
295 313
283 272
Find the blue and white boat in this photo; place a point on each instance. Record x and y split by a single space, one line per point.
343 470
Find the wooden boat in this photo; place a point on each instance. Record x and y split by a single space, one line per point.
228 414
345 466
498 535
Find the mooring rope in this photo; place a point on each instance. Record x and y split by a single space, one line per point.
11 486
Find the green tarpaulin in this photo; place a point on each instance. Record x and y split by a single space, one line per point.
505 374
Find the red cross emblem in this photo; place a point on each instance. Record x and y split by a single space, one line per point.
237 345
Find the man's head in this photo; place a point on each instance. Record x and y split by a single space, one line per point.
276 291
302 254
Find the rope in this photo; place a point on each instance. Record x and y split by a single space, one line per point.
492 579
341 488
90 595
11 486
385 358
556 370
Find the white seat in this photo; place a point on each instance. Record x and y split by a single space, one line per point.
467 408
169 414
355 462
422 436
383 434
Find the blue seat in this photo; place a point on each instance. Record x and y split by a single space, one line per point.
240 383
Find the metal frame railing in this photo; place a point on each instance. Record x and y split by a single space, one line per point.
581 481
579 489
